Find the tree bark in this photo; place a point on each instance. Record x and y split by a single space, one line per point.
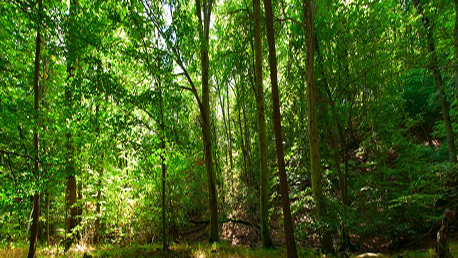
70 192
265 231
242 147
99 182
455 35
165 245
204 29
221 102
229 137
247 146
36 171
48 197
333 146
288 222
325 238
434 66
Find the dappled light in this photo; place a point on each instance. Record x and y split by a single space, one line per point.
235 128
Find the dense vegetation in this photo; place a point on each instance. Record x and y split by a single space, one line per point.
323 125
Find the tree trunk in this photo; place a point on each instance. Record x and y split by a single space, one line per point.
70 192
221 101
165 245
325 241
247 146
456 49
242 147
44 148
36 171
438 79
204 29
99 182
333 146
229 137
288 222
48 197
265 231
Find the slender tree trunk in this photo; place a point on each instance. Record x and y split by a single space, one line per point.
439 83
333 145
221 101
242 146
99 181
265 231
336 158
165 245
456 49
325 241
44 148
247 146
70 192
288 221
204 30
48 197
36 171
229 137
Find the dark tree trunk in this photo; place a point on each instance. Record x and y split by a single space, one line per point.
434 66
229 137
70 192
36 170
242 147
99 182
165 245
325 237
265 231
247 146
455 33
221 101
204 30
288 222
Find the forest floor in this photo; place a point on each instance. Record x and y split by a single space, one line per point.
197 250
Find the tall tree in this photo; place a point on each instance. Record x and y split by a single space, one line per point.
70 192
204 31
229 135
288 221
165 245
434 66
36 170
455 34
326 243
99 179
265 232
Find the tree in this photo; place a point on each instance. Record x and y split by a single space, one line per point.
265 232
70 192
36 170
287 220
434 66
204 31
326 243
455 33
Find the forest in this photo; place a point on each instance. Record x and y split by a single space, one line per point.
228 128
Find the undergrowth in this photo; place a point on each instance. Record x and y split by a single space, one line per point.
197 250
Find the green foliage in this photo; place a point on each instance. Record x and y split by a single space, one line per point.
378 111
